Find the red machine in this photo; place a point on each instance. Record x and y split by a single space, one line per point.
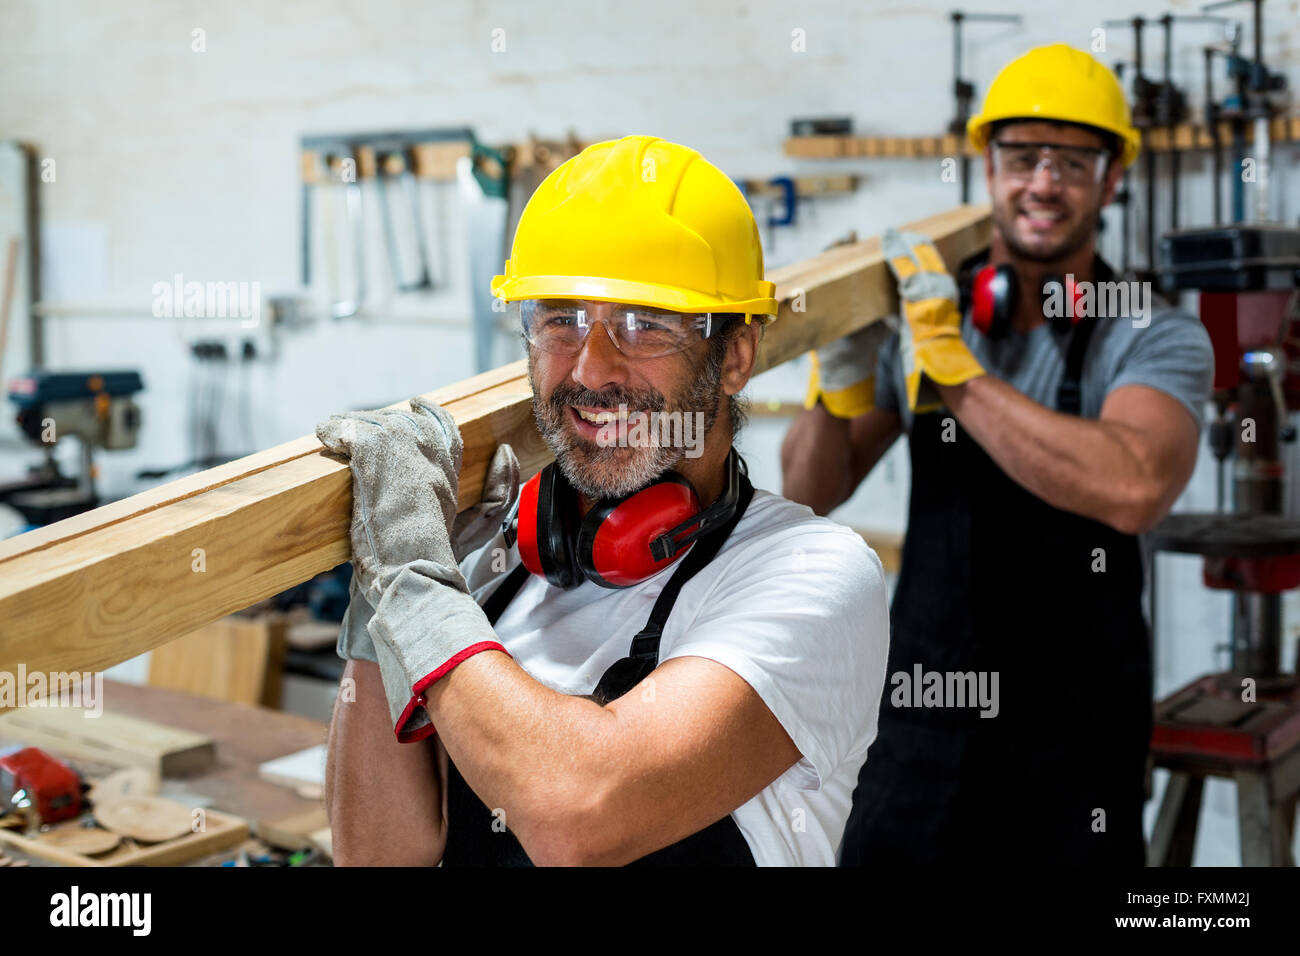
31 778
1243 723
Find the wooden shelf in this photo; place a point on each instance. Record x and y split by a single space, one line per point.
1185 136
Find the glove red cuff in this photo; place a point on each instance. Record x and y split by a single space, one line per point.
419 699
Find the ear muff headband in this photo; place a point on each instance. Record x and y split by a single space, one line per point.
991 293
621 541
547 515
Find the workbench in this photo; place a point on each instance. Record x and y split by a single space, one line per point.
245 737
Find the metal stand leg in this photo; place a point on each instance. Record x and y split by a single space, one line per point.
1264 826
1173 840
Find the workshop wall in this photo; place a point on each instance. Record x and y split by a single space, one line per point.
174 161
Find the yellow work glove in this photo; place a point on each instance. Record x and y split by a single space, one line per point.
844 372
930 342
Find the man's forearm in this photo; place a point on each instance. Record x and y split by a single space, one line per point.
817 460
1086 466
533 753
383 798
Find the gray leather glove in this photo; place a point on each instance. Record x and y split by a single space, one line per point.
478 525
844 372
405 467
473 528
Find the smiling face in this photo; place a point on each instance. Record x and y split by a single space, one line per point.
1040 218
578 399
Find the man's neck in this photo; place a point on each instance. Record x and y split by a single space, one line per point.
1031 272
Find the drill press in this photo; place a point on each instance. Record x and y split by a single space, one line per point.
94 407
1244 722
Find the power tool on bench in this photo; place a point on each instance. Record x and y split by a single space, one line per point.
39 788
94 407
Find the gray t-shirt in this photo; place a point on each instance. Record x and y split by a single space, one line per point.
1171 354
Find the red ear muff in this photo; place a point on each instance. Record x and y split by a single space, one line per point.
526 529
1071 305
621 541
993 300
616 540
547 515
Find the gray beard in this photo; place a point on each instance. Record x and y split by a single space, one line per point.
612 472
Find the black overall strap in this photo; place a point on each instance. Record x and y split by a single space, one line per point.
1069 396
643 657
504 594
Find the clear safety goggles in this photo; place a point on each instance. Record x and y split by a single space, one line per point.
1071 165
561 326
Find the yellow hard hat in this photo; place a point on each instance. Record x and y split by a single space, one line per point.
1058 82
639 221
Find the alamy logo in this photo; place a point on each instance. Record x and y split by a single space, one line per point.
52 689
75 908
208 300
637 429
946 689
1102 300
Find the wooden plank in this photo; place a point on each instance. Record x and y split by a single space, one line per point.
888 546
221 831
212 478
112 739
239 659
294 832
119 581
246 737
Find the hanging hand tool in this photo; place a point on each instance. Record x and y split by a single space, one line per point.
1145 93
1256 86
1212 124
482 182
333 161
350 178
963 90
399 163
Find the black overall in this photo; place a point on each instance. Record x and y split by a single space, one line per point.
995 579
472 840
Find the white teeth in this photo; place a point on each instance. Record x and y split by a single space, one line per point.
597 418
1041 215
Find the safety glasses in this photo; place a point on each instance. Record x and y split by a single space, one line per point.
1071 165
561 326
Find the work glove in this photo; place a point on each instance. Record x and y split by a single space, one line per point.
843 375
473 528
405 467
930 341
479 524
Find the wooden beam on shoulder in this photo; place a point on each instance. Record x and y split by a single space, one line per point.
102 587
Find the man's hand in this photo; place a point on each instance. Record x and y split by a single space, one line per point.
405 472
473 528
844 372
478 525
405 467
930 342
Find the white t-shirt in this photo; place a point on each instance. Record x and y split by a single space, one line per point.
793 603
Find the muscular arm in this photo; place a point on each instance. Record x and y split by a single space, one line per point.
1124 469
584 784
383 798
824 458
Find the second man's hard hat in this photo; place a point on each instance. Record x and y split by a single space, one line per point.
1058 82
